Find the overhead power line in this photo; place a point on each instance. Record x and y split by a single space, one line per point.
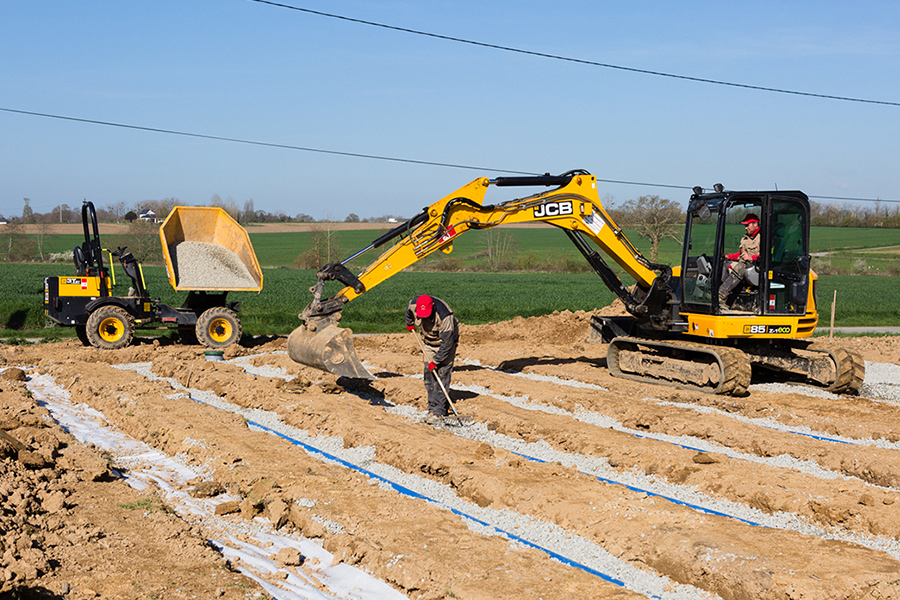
220 138
575 60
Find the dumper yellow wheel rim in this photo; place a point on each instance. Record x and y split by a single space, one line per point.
111 330
110 327
218 328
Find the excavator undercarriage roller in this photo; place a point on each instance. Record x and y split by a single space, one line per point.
712 369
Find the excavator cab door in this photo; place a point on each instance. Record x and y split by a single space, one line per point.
786 285
698 263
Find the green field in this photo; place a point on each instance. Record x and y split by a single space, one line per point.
853 248
541 273
476 298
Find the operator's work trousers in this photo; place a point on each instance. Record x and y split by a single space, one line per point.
437 401
732 276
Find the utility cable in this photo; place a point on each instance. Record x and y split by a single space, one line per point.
368 156
576 60
257 143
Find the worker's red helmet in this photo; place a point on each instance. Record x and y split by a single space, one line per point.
751 218
424 306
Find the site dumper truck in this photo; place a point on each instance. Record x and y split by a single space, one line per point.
206 253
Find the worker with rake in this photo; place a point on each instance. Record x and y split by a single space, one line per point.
434 318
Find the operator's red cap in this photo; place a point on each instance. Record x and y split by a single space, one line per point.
751 218
424 306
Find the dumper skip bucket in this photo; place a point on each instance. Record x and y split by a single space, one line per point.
206 250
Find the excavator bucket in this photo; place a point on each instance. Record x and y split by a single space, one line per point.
329 349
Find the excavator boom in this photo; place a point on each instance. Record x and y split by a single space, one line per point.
572 204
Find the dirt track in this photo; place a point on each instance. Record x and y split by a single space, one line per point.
783 493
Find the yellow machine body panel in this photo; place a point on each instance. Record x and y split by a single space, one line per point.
79 286
212 226
754 326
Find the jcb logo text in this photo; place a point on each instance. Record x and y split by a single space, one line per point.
553 209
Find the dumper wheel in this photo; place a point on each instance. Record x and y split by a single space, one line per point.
218 327
110 327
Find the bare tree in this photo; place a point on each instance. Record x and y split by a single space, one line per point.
249 213
324 247
499 247
654 218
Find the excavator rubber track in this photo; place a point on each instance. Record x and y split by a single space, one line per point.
850 368
687 365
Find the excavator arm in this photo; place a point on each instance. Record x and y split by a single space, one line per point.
572 205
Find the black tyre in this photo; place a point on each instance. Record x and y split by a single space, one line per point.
81 333
218 327
110 327
187 334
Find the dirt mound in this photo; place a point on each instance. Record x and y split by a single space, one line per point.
69 527
692 492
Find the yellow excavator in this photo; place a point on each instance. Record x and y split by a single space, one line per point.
678 332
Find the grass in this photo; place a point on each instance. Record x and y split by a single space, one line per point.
476 298
551 276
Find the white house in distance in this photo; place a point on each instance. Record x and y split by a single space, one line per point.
147 216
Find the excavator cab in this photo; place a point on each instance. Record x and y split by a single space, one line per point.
777 283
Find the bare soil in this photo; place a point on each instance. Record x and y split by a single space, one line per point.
70 529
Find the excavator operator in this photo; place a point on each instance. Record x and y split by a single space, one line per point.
434 318
738 262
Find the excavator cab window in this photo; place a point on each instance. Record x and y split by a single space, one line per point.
745 298
700 252
788 275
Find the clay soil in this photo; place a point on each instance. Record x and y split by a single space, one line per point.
71 529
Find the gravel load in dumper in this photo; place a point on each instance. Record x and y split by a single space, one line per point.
206 265
206 250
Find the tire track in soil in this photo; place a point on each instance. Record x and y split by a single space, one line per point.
632 540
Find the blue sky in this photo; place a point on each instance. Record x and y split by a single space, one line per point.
250 71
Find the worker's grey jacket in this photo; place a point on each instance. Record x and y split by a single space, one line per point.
440 330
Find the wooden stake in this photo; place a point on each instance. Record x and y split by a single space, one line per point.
833 304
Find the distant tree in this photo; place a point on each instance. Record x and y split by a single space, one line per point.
352 218
324 248
302 218
15 245
248 215
27 212
62 213
131 216
499 247
229 206
117 208
654 218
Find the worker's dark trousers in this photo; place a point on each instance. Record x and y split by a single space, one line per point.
437 402
732 277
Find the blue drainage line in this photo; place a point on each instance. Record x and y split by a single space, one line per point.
820 438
